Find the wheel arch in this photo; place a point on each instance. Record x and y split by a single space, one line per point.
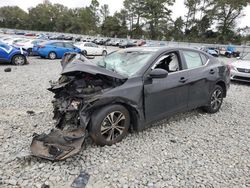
16 54
222 84
134 116
133 113
52 52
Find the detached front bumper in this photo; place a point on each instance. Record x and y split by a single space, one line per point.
58 144
240 76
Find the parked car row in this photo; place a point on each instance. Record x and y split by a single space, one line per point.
15 49
229 51
51 49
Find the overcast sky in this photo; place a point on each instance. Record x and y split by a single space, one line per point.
114 5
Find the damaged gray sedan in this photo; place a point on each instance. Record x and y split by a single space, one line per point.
127 90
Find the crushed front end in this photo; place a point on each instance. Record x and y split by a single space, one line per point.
81 83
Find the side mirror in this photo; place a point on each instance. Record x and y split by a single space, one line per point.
158 73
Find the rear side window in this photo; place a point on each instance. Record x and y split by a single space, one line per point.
58 44
204 59
68 45
87 44
193 59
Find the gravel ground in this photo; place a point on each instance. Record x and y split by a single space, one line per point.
192 149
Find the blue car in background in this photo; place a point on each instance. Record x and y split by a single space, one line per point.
211 50
55 49
10 54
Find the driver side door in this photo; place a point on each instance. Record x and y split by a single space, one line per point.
166 96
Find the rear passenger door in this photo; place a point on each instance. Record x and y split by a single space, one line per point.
198 77
59 49
69 47
88 48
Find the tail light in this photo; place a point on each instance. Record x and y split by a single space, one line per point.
40 46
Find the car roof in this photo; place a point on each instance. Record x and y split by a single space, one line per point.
52 41
159 49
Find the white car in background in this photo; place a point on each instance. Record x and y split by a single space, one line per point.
90 48
27 44
10 40
240 69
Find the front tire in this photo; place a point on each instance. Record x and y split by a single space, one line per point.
52 55
215 100
19 60
109 125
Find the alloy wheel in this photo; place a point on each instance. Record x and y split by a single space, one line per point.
52 55
113 125
216 99
19 60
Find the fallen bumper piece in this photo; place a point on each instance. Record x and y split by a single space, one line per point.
81 180
58 144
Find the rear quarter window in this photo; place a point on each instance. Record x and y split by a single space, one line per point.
204 58
68 45
193 59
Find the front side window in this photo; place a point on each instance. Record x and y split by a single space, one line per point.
193 59
168 62
94 45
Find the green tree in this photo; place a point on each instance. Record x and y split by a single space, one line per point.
94 9
135 11
154 12
192 6
111 26
13 17
177 30
122 16
104 11
42 17
227 11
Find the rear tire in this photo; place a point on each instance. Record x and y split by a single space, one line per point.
109 125
19 60
215 100
52 55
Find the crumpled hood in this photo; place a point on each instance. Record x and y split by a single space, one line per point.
89 67
241 64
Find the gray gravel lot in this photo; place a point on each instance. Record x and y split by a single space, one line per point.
192 149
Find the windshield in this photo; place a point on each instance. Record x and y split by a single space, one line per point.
5 46
246 57
126 63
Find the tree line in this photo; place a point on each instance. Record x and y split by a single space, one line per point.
213 21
